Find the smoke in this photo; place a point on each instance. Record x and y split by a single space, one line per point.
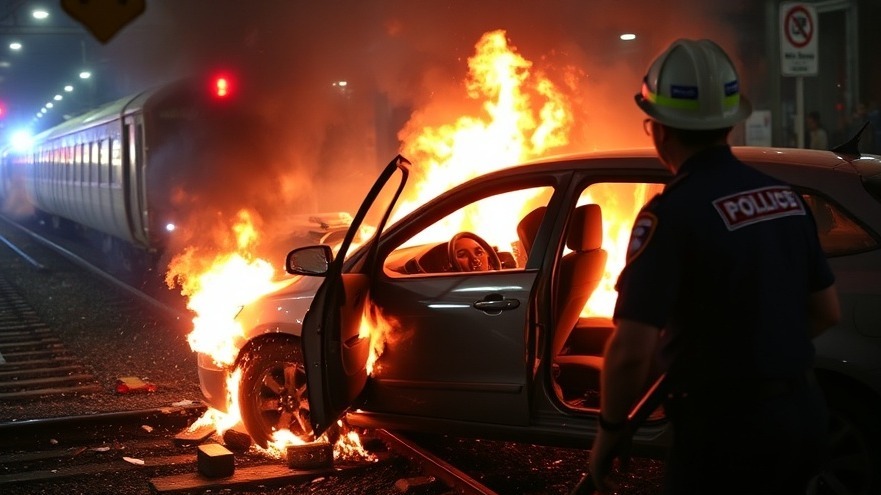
316 146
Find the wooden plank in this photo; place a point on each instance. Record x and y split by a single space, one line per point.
242 476
52 352
35 363
199 435
47 342
111 466
6 336
51 391
54 380
35 372
7 460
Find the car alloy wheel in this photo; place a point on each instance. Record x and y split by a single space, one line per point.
272 392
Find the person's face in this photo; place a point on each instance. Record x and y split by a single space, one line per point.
471 256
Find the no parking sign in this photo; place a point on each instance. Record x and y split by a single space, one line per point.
798 39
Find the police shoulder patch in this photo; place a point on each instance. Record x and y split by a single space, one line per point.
643 229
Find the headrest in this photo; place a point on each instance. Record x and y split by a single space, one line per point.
527 229
586 229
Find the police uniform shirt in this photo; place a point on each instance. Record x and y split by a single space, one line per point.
723 261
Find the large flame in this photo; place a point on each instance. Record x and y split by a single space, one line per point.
218 285
521 114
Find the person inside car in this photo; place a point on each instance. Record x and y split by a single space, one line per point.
470 255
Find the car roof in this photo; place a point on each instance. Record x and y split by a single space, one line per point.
646 159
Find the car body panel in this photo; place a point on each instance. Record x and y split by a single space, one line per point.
452 360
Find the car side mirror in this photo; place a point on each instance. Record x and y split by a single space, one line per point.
309 260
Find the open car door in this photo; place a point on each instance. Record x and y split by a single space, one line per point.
334 351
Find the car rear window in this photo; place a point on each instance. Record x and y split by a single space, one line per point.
839 233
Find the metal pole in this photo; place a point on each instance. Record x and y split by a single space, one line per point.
800 112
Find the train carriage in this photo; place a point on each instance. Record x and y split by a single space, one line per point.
113 170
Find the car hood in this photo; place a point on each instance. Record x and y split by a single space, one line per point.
279 311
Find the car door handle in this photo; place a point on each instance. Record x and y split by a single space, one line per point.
496 304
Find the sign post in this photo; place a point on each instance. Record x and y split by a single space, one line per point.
798 53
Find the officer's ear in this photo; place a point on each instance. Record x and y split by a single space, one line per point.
660 133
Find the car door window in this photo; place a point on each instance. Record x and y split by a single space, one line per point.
619 203
839 233
482 234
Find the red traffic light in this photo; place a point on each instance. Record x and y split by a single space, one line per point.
221 86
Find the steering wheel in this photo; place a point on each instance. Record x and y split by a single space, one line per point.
494 262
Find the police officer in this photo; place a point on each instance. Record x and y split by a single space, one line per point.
725 286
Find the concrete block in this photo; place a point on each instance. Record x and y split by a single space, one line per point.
215 460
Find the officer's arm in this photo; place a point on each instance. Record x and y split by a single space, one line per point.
628 356
823 310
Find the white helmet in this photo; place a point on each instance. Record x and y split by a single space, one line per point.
693 85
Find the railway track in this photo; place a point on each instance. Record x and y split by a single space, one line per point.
150 449
33 360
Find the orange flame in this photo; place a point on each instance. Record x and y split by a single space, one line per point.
218 286
381 330
524 116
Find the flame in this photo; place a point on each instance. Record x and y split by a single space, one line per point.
520 114
218 286
219 420
621 203
524 115
381 330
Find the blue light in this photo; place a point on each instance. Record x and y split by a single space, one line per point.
21 140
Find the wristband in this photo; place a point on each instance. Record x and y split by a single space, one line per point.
611 427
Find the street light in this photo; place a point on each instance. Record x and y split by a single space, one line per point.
15 45
85 74
40 14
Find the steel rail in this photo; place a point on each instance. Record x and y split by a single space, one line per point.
90 267
434 465
23 255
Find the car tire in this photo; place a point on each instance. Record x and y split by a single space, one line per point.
854 453
272 391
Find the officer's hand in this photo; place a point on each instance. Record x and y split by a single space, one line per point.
608 446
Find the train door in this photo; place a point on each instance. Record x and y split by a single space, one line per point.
134 181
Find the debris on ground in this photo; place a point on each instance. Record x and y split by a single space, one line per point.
133 384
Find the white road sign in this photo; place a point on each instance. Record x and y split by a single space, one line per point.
798 39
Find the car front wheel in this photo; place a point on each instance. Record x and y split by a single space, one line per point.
272 391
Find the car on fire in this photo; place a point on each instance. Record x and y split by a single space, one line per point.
387 333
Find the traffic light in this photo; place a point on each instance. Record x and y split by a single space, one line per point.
221 86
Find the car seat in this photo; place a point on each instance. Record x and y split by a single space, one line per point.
527 229
580 273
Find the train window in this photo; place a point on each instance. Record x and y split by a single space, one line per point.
93 165
78 162
68 163
105 161
115 160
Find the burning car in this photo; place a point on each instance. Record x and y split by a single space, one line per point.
397 337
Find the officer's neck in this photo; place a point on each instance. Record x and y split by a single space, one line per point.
677 153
